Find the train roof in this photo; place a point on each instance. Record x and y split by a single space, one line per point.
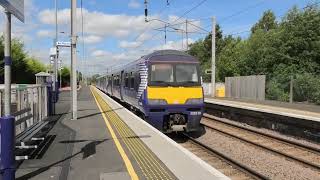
170 55
159 56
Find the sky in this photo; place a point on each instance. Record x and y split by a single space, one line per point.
115 31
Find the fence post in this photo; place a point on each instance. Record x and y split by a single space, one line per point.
7 157
32 104
291 89
39 99
0 103
45 101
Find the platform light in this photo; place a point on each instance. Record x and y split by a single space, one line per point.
51 59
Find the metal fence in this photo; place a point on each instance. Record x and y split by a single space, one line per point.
246 87
29 102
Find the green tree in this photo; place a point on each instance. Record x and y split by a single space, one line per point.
266 23
65 76
202 50
23 67
290 47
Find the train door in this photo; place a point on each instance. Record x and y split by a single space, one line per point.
112 85
121 85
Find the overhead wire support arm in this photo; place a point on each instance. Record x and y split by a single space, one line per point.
187 37
198 27
166 24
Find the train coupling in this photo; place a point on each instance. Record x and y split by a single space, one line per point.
178 127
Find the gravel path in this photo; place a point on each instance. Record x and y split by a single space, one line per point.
264 162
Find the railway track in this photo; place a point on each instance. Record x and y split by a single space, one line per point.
228 166
306 155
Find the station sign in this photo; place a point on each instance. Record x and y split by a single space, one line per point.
15 7
53 51
63 44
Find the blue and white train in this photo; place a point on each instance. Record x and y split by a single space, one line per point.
165 86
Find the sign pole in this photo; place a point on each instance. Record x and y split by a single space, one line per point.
7 122
73 60
55 87
213 58
7 65
7 160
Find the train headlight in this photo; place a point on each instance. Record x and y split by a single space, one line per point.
157 102
195 101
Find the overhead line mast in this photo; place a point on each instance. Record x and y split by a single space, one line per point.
74 107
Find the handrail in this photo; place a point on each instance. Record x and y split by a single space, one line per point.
29 104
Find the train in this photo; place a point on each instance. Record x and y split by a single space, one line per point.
164 86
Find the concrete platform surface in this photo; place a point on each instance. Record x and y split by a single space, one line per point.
82 149
109 142
312 113
182 163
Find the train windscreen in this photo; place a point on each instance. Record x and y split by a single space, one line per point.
174 75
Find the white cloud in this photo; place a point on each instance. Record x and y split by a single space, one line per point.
144 36
97 27
100 53
101 60
45 33
92 39
126 44
99 23
47 16
134 4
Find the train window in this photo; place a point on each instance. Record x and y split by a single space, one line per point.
137 81
118 80
132 81
126 81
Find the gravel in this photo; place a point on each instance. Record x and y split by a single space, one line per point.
270 132
267 163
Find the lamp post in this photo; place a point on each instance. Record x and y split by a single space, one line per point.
74 107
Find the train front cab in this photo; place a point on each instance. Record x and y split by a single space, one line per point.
174 97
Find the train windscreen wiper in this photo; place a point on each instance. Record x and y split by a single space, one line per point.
188 82
162 82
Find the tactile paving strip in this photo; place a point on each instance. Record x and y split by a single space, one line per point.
150 165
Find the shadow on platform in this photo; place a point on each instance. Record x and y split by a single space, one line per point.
87 150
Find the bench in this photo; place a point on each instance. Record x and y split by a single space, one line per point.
29 132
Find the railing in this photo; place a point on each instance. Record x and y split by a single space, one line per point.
29 104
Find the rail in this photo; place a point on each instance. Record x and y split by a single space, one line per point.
306 155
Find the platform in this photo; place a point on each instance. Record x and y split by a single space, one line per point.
109 142
299 111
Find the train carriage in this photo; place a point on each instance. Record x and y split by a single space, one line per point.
165 86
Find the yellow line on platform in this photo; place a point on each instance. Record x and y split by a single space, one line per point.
124 156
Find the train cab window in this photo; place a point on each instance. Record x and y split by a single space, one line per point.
162 73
